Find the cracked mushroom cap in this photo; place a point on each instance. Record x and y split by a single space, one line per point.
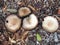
12 23
50 24
30 22
24 11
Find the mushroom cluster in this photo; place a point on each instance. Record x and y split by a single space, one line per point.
13 22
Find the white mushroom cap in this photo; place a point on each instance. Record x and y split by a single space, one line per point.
30 22
13 23
24 11
50 24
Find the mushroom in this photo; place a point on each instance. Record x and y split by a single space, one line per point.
50 24
13 23
30 22
24 11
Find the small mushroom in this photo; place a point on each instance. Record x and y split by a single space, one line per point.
30 22
24 11
50 24
13 23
